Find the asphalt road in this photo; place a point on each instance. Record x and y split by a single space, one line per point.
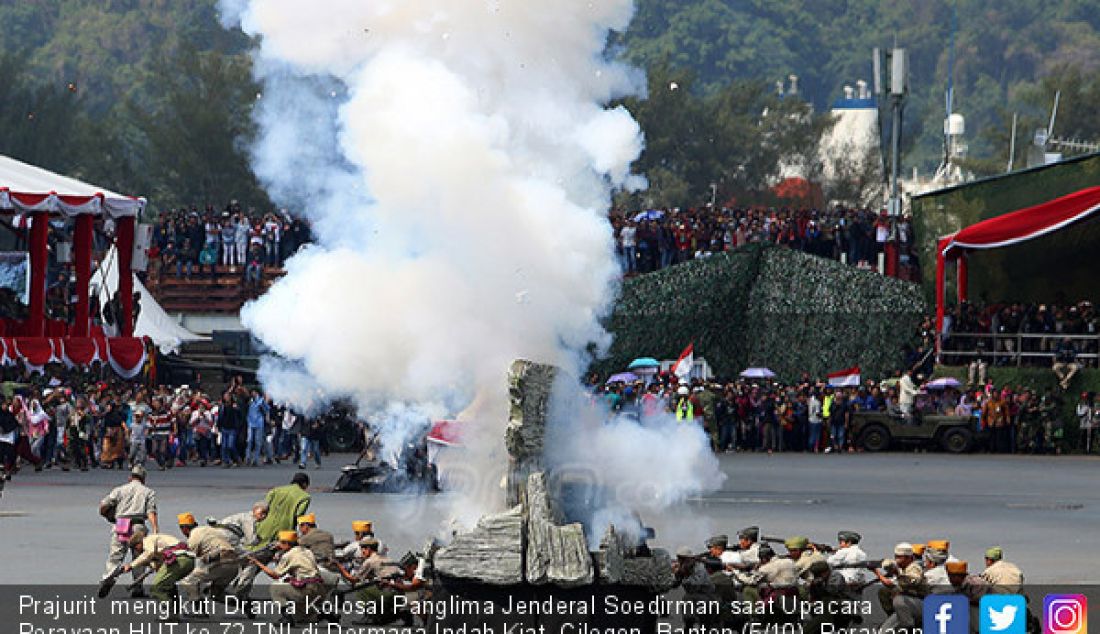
1044 511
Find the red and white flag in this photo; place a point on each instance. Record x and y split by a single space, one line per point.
845 378
682 367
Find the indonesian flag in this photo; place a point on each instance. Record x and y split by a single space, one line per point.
682 367
845 378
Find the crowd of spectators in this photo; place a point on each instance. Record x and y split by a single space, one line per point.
977 333
811 416
85 420
190 242
654 239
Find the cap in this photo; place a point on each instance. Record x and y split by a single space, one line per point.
138 471
903 549
362 526
851 537
797 543
685 552
956 567
936 556
368 542
288 536
819 567
408 559
995 553
186 519
939 544
730 558
718 541
918 549
750 533
308 518
683 390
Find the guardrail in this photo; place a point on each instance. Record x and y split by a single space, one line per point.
1010 346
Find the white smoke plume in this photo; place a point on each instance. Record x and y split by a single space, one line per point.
456 159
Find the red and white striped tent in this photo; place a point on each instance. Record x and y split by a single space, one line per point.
1007 230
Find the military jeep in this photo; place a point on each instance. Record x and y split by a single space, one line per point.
878 431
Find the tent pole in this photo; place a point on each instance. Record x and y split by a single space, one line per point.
125 245
39 244
941 265
963 281
82 253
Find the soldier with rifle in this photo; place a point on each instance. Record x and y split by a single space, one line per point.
165 554
366 581
690 574
904 589
127 508
348 551
296 578
217 562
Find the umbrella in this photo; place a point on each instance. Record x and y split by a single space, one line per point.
644 362
622 377
758 373
943 383
649 214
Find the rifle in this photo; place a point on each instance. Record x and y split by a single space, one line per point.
109 581
366 584
824 548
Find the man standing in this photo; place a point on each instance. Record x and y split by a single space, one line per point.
995 418
907 393
257 420
814 412
285 505
127 507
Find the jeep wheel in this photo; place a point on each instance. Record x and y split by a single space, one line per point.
342 435
957 440
875 438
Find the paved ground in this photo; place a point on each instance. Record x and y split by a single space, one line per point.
1044 511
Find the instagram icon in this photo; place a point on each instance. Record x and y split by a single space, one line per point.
1065 614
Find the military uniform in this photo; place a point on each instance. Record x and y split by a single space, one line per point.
1004 577
377 567
848 562
322 545
906 597
298 580
691 575
217 562
240 530
133 501
171 559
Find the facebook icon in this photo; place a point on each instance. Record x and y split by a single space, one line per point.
946 614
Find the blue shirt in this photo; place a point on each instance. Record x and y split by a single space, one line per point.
257 409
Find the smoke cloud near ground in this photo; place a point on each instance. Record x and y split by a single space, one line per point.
456 159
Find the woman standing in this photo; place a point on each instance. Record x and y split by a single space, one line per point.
114 437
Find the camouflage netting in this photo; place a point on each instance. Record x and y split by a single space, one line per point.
766 305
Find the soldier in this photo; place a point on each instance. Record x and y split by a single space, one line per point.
370 576
690 574
217 562
322 545
803 556
285 504
828 587
296 579
903 590
725 586
935 574
165 554
1002 576
849 562
776 576
717 545
127 507
240 528
748 544
350 552
973 587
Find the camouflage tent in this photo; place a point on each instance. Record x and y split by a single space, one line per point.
767 305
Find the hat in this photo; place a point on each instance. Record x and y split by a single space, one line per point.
903 549
956 567
685 552
751 533
819 567
730 558
288 536
362 526
995 553
936 556
851 537
797 543
918 549
186 519
138 471
368 542
939 544
308 518
683 390
718 541
409 559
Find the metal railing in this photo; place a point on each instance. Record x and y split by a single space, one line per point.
1009 347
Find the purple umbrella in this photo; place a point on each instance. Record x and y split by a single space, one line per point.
622 377
943 383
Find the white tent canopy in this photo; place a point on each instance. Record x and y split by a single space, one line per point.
152 321
21 184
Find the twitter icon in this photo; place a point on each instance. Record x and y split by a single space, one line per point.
1003 614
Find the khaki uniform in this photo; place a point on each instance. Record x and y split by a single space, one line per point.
780 572
807 559
906 598
1004 577
153 554
322 545
133 501
208 542
937 580
240 530
297 564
